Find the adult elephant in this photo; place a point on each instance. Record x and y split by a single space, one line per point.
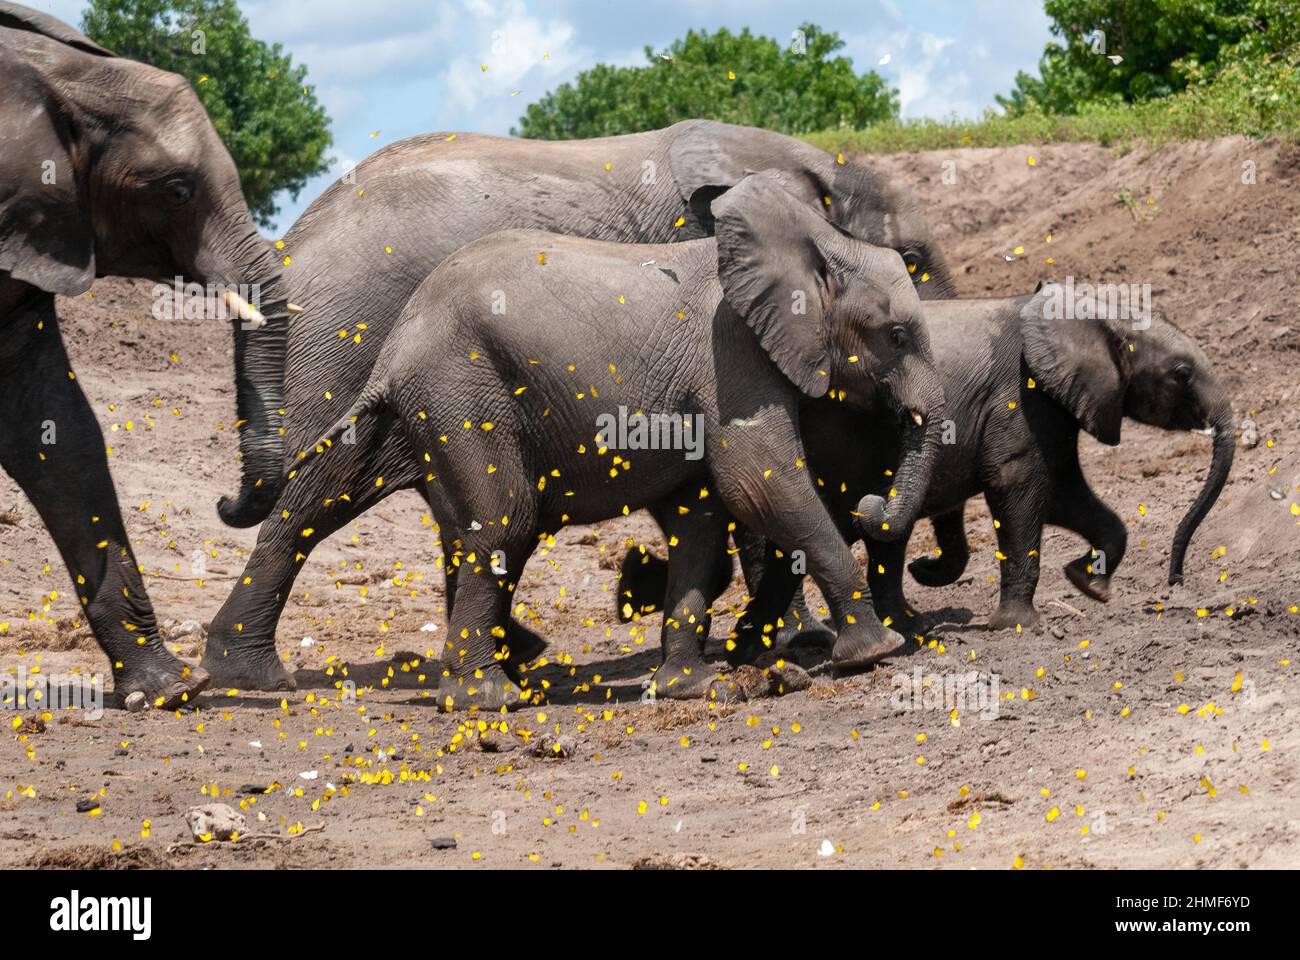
363 247
732 362
109 166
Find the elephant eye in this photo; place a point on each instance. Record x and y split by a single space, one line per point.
898 336
178 189
1183 373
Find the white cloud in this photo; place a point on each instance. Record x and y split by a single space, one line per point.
517 48
921 64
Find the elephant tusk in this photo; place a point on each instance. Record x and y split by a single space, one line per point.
243 309
293 308
917 418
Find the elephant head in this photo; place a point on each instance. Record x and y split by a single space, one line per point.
839 318
1104 370
111 167
709 158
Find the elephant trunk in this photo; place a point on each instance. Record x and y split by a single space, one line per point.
260 348
1225 438
892 518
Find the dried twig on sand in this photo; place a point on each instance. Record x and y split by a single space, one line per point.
284 838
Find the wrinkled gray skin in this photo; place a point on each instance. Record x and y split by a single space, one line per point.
109 166
1024 460
704 329
426 197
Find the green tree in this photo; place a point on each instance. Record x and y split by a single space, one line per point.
1135 50
259 101
741 78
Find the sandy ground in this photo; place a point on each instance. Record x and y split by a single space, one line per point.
1162 729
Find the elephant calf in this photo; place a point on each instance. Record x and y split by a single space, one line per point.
1019 385
545 380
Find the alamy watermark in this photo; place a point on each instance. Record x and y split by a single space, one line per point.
20 690
1102 301
654 431
213 301
971 692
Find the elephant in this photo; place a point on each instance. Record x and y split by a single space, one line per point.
111 167
659 377
361 249
1020 383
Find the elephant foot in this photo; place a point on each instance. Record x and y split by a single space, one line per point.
166 684
523 645
642 582
860 646
487 689
808 633
747 645
685 678
258 669
931 571
903 618
1009 616
1092 585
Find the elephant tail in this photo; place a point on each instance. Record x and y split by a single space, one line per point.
373 398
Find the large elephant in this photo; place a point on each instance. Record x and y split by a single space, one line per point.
363 246
1020 383
109 166
519 373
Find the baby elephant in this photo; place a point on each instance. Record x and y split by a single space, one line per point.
1020 382
544 380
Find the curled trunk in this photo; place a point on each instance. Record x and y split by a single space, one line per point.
1221 422
259 380
892 518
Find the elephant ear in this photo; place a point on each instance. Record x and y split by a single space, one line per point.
46 237
775 266
1076 362
708 158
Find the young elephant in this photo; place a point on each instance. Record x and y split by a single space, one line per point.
1019 386
512 362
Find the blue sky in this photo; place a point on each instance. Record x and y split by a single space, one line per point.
388 69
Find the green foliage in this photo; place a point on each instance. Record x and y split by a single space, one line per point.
1251 98
739 78
259 101
1164 46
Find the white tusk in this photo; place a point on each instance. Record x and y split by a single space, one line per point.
917 418
243 309
293 308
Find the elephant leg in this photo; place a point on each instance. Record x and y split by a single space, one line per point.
770 579
51 444
520 645
788 511
755 555
326 495
949 563
695 540
474 674
490 529
642 582
1018 513
885 562
1077 508
802 626
643 576
773 584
